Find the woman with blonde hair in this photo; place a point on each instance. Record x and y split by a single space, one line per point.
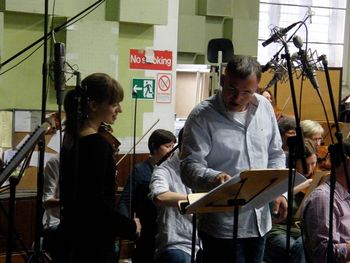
312 130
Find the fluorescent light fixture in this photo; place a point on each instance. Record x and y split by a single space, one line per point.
193 68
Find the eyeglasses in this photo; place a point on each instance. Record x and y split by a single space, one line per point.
318 139
236 92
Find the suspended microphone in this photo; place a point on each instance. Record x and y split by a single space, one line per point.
278 34
306 62
280 73
59 70
310 13
272 64
323 59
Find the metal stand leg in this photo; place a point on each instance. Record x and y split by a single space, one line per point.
194 235
235 231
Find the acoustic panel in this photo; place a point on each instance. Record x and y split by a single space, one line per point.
311 107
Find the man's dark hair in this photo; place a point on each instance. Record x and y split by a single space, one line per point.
158 138
243 66
285 124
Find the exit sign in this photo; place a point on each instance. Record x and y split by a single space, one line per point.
143 88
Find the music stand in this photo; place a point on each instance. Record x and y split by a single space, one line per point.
6 175
248 190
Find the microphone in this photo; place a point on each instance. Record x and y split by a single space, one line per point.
323 59
266 67
278 34
59 70
280 73
308 70
269 65
310 13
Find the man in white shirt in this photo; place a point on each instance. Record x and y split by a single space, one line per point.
174 235
233 131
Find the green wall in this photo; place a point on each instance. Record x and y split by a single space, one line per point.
132 36
21 87
90 44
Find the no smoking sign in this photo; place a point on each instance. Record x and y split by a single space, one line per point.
164 82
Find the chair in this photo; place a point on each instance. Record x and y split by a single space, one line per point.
219 44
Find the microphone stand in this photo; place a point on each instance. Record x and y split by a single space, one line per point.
336 151
131 206
296 151
131 210
37 253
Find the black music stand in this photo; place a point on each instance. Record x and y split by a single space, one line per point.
251 189
23 153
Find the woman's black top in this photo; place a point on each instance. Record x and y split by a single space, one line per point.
90 220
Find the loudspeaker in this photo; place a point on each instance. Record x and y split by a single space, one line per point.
219 44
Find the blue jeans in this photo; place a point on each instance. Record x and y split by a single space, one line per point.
275 249
248 250
173 256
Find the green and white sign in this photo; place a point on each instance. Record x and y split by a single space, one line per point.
143 88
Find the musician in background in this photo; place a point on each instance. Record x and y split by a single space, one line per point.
159 144
315 217
286 126
275 248
267 94
174 234
312 130
233 131
90 220
51 202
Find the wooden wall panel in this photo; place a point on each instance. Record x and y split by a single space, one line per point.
310 102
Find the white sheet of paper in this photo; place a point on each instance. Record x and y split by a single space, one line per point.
6 129
264 197
34 161
54 143
23 121
8 154
275 191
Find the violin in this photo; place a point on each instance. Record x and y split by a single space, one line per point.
105 131
323 158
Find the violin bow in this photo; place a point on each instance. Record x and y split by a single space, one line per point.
150 128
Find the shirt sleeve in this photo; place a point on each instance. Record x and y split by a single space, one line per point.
159 182
196 145
51 179
316 227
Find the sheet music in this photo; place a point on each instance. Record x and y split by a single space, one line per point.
256 187
274 191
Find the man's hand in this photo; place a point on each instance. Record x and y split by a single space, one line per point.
221 178
280 209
